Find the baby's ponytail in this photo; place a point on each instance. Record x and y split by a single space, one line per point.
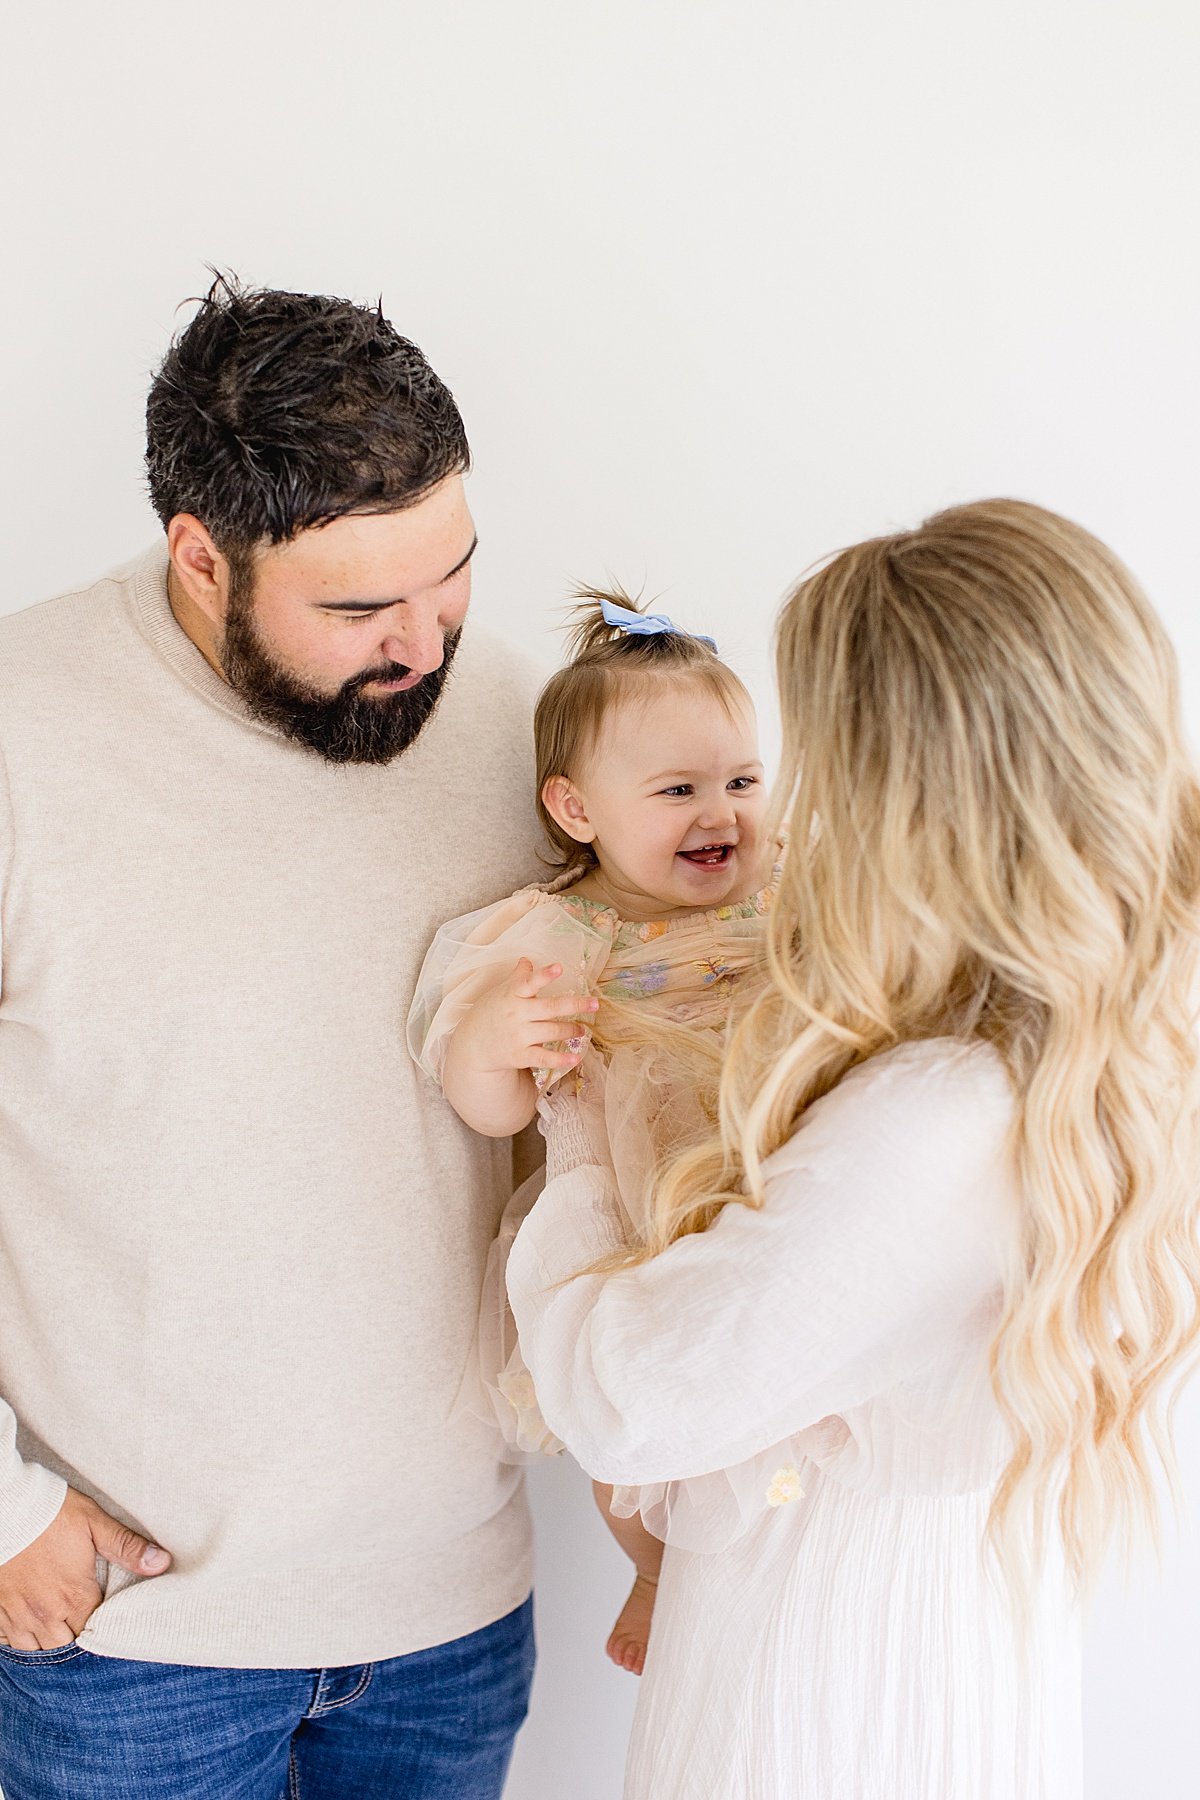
607 624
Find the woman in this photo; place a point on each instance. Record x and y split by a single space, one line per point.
885 1373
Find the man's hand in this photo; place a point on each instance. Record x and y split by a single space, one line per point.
48 1591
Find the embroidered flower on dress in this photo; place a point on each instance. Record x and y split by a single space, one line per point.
518 1390
785 1486
531 1432
635 984
653 928
714 969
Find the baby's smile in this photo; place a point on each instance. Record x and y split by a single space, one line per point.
709 856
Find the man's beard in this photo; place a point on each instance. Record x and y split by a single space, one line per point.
348 726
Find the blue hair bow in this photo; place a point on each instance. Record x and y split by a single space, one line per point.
646 624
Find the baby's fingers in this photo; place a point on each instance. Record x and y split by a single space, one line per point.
555 1050
527 985
558 1059
567 1006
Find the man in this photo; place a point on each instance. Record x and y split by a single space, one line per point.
246 1547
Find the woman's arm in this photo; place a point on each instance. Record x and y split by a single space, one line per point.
886 1222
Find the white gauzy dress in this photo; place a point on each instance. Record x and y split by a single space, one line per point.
800 1397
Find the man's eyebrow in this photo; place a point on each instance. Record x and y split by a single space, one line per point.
371 606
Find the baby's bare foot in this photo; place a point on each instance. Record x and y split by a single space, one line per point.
631 1633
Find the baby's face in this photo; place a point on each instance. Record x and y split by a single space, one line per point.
674 792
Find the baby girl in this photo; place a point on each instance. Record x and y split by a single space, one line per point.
616 976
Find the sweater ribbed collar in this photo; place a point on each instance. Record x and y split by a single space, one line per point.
162 629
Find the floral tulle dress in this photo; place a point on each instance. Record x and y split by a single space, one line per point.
675 974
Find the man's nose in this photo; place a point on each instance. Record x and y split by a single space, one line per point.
420 645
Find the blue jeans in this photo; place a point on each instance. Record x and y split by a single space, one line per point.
436 1725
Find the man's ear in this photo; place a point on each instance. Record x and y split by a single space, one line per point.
200 569
563 802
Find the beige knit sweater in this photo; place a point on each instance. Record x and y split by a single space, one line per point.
241 1237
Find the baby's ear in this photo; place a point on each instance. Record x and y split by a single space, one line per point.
566 808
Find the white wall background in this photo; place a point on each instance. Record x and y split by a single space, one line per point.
719 288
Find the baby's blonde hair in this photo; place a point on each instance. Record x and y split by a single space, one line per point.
607 667
995 830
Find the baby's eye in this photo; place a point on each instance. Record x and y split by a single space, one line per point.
684 787
744 781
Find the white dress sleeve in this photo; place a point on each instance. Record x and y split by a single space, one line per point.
888 1219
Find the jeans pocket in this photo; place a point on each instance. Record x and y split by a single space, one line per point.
27 1658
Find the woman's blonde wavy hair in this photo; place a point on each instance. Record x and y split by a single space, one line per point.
995 831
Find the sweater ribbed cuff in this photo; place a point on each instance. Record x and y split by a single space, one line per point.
30 1500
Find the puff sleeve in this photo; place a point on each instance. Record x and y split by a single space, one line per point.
468 955
471 954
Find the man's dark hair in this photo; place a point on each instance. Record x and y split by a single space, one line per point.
273 412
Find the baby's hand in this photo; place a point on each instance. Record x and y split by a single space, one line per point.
515 1021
